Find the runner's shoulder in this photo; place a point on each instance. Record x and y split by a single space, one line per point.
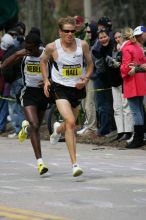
84 44
51 46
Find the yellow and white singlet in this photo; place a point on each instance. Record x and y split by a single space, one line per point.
32 71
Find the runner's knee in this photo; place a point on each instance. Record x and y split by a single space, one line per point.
34 126
70 123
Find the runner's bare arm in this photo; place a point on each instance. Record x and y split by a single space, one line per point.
14 57
47 53
88 58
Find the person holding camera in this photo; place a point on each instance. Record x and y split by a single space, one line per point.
103 77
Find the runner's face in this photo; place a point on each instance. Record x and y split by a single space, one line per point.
32 49
67 33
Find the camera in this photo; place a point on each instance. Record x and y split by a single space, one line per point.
111 62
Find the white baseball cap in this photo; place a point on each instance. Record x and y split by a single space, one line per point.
139 30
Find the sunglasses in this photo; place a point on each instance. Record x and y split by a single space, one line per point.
88 32
69 31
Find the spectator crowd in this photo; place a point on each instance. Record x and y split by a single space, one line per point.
116 88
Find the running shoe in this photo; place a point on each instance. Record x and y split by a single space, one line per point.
82 131
77 171
54 138
42 169
22 134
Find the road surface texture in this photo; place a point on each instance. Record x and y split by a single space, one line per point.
113 186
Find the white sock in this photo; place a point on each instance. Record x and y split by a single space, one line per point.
40 161
25 130
75 165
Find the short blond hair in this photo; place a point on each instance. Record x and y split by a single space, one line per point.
66 20
128 34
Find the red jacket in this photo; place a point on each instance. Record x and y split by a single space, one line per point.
133 85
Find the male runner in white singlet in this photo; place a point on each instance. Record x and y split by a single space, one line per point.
68 82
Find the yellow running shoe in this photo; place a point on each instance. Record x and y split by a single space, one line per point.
22 134
42 169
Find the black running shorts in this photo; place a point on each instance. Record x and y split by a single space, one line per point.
34 96
73 95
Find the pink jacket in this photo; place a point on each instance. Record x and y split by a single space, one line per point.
133 85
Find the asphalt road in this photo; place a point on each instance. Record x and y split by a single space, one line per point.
113 186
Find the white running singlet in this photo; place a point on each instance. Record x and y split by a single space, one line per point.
32 71
69 66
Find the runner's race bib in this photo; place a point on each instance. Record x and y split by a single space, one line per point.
33 68
71 70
